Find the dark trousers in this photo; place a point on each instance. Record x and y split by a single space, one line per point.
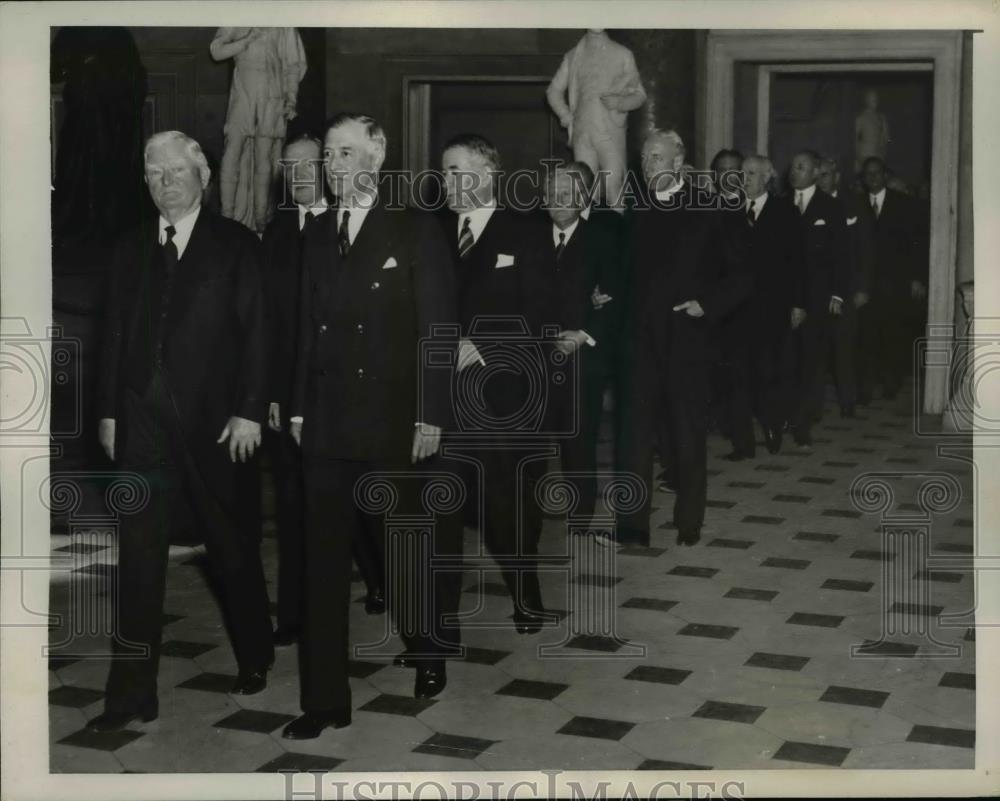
757 387
811 346
884 342
675 415
286 471
845 342
154 449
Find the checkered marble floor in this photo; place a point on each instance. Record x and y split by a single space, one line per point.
734 653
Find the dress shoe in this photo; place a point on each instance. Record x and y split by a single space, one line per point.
310 725
431 679
404 660
116 721
689 536
250 682
526 622
772 439
286 635
737 456
847 410
375 603
666 483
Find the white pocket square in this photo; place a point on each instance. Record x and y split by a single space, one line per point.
851 220
820 222
389 263
504 260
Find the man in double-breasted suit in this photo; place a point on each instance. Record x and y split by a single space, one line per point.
182 395
376 282
824 232
685 276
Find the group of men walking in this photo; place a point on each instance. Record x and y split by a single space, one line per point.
377 349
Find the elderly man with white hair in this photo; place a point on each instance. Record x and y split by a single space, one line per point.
181 401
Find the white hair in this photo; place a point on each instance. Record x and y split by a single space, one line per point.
191 148
765 162
674 138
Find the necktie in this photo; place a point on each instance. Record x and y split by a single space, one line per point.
465 239
343 236
562 244
307 219
875 208
170 250
751 217
800 201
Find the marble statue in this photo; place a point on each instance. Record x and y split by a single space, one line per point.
269 65
597 84
871 131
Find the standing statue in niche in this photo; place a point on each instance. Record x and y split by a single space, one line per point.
871 131
269 65
602 83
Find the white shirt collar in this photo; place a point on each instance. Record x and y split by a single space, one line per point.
359 208
316 209
879 196
807 195
834 193
585 213
182 230
757 204
666 194
478 218
567 231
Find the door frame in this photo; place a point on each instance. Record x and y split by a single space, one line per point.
834 50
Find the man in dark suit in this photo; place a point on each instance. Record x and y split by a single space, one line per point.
898 283
761 327
181 398
501 303
376 282
684 277
579 257
859 241
824 232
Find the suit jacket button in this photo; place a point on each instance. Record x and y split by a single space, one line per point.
361 328
361 372
322 329
376 285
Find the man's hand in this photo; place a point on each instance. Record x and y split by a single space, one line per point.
798 317
243 436
467 354
860 299
570 341
106 436
295 429
598 298
426 441
692 307
274 417
917 290
836 306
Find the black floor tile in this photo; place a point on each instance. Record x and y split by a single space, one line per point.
938 735
184 649
708 630
840 464
101 740
817 480
358 669
168 618
850 514
788 564
813 754
596 580
405 705
854 696
953 547
594 642
773 468
747 484
453 745
597 727
99 569
812 619
657 675
887 648
792 498
693 571
76 697
766 520
641 550
489 588
720 504
721 542
748 594
815 536
902 460
541 690
927 610
254 720
737 713
960 681
652 604
81 547
777 661
859 450
660 764
302 763
875 556
847 584
962 522
209 682
942 576
484 656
